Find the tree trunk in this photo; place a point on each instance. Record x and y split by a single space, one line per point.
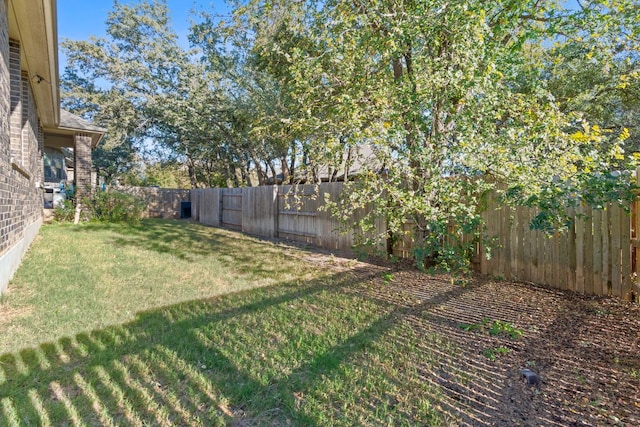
285 170
262 176
349 161
192 174
292 165
271 166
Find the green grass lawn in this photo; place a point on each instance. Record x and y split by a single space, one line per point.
173 323
82 278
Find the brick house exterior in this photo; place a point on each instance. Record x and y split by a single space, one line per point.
30 115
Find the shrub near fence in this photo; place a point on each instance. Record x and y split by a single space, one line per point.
596 256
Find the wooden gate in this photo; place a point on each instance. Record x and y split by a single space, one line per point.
231 208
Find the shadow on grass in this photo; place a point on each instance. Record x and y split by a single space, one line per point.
162 236
187 240
347 349
327 353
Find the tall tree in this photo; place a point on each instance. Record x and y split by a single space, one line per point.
152 94
453 96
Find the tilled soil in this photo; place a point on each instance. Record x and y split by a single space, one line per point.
585 351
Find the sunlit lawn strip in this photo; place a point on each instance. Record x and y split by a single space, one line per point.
79 278
172 323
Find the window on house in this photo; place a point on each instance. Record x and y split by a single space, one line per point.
23 149
15 84
54 165
20 100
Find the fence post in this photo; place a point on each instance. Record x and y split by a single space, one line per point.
625 222
220 206
580 228
635 287
484 270
276 210
616 250
194 199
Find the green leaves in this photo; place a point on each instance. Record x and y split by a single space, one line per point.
154 96
493 328
460 90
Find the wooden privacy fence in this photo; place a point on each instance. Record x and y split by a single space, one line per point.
596 256
274 211
161 202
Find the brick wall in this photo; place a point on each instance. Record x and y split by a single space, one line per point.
5 138
82 160
4 84
32 161
21 199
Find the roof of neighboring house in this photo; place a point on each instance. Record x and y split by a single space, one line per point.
361 157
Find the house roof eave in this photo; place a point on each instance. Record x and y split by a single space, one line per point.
34 24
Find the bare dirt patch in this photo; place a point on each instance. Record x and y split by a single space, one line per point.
8 314
585 350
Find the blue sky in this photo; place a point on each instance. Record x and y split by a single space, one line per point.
80 19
